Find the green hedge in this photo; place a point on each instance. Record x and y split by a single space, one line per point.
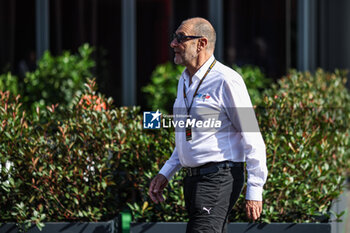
55 168
304 120
255 81
161 91
305 124
91 163
83 165
57 79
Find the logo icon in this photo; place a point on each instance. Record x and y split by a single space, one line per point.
203 96
151 120
208 210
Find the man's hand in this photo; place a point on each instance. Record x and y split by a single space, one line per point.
156 188
253 209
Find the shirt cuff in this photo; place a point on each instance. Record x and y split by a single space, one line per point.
168 171
254 193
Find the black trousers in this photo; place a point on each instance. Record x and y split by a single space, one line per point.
209 199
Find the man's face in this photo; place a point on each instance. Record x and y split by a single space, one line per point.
185 51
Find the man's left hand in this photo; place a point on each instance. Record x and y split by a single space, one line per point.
253 209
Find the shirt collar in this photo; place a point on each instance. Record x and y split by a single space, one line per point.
200 73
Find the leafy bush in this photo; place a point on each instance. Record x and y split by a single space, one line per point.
9 82
305 123
255 81
83 165
56 79
55 169
161 92
96 160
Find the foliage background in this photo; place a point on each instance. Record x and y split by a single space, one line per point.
305 124
88 164
161 91
304 120
57 79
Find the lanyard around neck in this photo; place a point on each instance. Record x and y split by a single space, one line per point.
195 93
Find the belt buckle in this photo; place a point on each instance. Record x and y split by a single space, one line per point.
189 171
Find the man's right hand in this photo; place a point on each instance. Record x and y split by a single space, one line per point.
156 188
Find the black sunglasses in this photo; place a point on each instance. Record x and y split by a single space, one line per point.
180 38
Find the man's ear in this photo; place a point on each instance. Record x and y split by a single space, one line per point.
202 44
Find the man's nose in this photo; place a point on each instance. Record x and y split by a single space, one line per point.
173 43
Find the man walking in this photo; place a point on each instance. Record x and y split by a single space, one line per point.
214 159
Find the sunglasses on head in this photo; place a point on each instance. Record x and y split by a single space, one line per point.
181 38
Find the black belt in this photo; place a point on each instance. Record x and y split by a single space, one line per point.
211 168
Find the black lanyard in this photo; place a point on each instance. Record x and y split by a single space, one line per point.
195 93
